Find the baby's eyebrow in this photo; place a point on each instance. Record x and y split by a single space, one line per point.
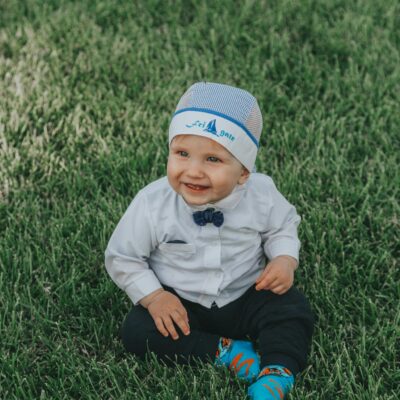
177 146
213 155
219 155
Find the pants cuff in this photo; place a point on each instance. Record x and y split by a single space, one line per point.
281 359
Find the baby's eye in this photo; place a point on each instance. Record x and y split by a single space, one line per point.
183 153
213 159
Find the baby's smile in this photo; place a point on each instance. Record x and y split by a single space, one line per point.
196 188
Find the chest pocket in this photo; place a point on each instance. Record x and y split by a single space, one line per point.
184 250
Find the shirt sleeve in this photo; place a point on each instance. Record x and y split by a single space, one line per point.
127 253
280 236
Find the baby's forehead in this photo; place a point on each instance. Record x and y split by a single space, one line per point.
201 144
197 140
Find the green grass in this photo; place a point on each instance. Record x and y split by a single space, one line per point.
86 93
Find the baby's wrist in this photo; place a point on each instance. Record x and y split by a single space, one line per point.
150 298
291 261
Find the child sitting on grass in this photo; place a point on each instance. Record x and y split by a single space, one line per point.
191 250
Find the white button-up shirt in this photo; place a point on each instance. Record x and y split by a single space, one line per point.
158 243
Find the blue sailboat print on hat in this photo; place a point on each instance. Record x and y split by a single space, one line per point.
211 127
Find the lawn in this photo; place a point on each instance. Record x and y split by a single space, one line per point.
87 89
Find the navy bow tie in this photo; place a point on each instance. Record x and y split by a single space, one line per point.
204 217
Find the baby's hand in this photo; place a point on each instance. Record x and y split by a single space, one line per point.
278 275
166 309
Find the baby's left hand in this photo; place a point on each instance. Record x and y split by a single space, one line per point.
278 275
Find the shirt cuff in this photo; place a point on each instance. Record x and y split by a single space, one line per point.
283 247
142 287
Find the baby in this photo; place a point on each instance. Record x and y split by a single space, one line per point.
191 251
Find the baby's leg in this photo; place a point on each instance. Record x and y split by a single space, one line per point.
140 335
283 325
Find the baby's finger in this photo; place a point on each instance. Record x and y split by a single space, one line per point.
266 283
262 284
260 277
280 289
170 327
263 279
263 275
277 282
181 322
182 311
160 326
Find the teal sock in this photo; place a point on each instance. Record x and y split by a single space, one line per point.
273 383
239 356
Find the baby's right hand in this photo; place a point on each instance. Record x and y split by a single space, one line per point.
166 309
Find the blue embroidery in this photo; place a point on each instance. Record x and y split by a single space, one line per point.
198 123
211 127
227 134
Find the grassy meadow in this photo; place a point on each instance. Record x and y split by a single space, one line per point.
87 89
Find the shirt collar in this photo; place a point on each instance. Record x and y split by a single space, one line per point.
227 203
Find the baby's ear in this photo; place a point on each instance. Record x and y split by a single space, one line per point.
244 176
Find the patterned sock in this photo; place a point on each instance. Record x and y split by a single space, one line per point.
239 356
273 383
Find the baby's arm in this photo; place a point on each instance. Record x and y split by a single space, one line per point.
281 244
166 309
126 260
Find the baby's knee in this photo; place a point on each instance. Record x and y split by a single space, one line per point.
135 331
303 306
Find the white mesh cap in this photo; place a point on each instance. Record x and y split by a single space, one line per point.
223 113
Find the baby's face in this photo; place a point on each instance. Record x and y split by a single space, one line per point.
201 170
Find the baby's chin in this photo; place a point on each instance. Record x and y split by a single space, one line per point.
194 202
198 202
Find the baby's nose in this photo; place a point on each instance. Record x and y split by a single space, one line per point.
195 170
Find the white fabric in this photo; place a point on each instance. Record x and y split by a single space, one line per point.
230 135
214 264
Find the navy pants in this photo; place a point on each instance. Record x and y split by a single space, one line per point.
281 327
